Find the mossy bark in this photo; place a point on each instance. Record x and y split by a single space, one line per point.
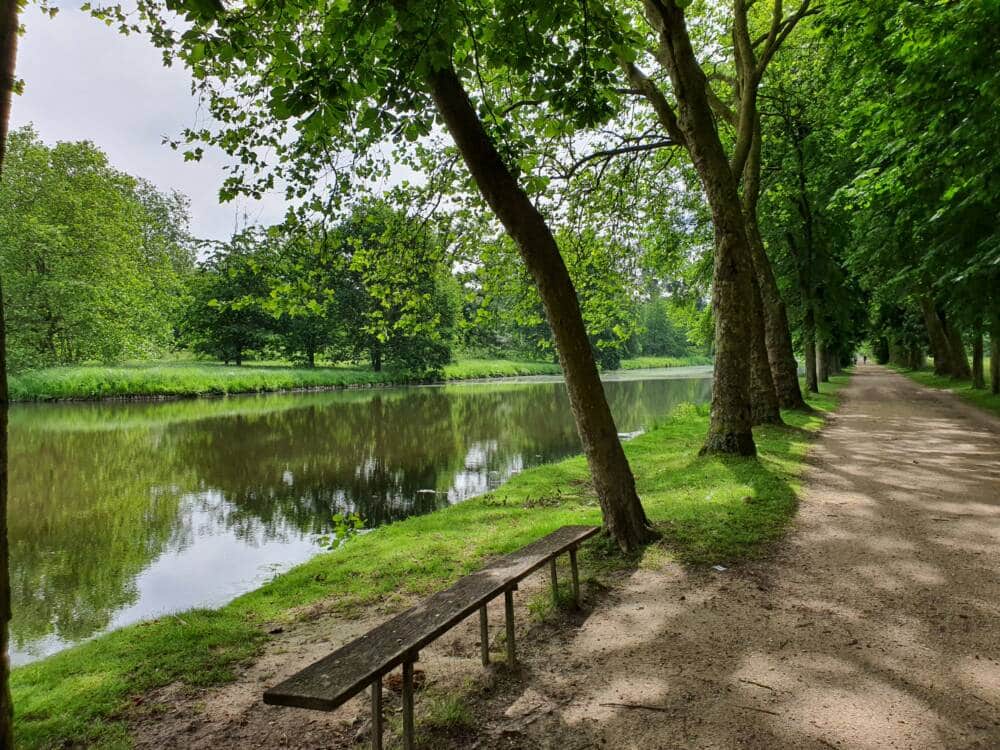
624 518
978 379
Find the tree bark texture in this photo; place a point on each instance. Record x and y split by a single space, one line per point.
959 360
764 405
777 332
995 354
940 348
809 349
978 380
624 518
822 364
732 292
8 56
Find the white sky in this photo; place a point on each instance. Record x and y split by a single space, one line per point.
85 81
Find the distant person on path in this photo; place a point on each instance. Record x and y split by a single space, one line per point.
864 359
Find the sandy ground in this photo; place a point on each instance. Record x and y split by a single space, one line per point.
875 625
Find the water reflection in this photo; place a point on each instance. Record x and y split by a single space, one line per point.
118 510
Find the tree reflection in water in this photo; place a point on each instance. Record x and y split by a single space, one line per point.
120 512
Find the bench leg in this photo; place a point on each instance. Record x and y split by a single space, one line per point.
408 741
576 577
555 583
508 605
377 714
484 636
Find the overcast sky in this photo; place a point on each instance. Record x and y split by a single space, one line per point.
84 81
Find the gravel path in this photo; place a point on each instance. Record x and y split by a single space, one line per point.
875 626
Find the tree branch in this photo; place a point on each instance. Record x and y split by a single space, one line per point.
607 153
664 112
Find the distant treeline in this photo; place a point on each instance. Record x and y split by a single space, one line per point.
99 266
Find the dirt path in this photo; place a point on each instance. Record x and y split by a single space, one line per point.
877 624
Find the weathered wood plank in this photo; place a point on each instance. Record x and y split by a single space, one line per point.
329 682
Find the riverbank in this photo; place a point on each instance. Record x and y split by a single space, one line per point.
960 387
700 505
191 379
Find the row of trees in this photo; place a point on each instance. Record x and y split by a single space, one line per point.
378 285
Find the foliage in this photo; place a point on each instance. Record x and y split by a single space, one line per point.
68 218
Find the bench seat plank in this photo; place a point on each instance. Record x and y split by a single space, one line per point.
331 681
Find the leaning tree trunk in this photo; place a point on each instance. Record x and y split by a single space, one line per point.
777 333
8 54
732 291
978 381
809 349
764 405
624 518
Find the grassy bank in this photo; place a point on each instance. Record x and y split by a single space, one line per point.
188 378
644 363
961 388
709 510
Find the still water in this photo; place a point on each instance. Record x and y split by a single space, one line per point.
122 512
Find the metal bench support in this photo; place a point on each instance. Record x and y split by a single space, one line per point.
555 583
484 636
408 740
508 603
576 576
377 714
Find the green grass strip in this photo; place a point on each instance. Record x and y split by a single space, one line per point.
960 387
709 510
186 378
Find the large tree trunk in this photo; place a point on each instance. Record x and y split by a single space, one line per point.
732 292
777 333
978 381
624 518
959 361
809 349
8 54
763 396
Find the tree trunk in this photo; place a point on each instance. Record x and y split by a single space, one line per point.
959 361
978 381
809 349
763 396
624 518
940 348
8 55
822 366
777 333
732 292
376 354
311 358
995 354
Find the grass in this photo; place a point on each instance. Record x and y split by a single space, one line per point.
643 363
960 387
192 378
709 510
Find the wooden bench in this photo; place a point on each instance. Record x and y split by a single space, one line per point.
333 680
